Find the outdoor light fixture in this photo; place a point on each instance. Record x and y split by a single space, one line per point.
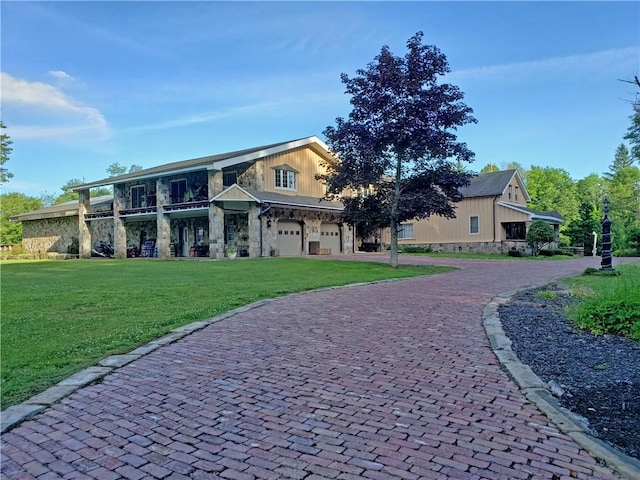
606 206
268 223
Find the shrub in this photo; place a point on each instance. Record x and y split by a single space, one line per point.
416 249
514 253
539 234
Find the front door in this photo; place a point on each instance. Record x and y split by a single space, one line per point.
184 241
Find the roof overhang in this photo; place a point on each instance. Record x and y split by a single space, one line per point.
532 214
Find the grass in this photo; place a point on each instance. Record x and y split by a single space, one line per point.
609 303
59 317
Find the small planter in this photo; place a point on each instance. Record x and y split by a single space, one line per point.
231 255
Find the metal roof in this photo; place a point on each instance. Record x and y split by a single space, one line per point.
66 209
492 184
218 161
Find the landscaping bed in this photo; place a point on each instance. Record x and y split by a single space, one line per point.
596 377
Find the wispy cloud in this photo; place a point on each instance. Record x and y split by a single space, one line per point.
605 60
68 115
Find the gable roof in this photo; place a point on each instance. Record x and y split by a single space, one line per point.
211 162
238 193
493 184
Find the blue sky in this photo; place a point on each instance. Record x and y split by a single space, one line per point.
88 84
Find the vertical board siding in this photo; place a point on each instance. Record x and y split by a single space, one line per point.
306 162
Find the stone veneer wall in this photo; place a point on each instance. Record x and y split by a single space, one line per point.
473 247
50 234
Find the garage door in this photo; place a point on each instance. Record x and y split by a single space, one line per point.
289 238
330 237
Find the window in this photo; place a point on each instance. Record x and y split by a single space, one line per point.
285 179
229 178
515 231
231 233
474 224
138 198
516 194
510 189
405 231
178 191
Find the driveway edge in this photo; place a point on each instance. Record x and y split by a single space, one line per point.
538 393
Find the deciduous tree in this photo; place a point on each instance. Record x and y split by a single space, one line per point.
553 189
400 139
12 204
633 132
5 151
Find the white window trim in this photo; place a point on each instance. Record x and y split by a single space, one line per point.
280 175
478 224
401 230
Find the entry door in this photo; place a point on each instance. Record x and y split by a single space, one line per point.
184 241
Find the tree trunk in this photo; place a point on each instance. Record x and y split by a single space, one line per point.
394 213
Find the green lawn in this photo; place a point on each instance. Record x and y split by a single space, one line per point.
58 317
609 303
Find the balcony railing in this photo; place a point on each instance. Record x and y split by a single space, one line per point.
138 211
186 205
96 215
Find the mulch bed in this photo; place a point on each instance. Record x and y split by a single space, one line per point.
596 377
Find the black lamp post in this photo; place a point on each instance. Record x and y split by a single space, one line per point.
606 239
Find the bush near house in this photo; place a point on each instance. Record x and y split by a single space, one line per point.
540 233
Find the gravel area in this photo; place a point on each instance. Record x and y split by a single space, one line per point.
596 377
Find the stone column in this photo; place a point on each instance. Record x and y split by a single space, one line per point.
253 230
119 231
216 231
84 235
163 221
215 183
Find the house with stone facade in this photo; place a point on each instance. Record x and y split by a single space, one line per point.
492 217
264 201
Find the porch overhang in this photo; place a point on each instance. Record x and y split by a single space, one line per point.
550 217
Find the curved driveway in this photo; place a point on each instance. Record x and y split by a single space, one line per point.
389 380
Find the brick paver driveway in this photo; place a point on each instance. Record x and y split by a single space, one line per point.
391 380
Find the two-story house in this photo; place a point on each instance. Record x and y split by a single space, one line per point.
493 217
265 201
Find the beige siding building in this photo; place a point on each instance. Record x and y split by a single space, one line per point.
492 217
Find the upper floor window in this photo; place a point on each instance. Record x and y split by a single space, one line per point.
516 193
510 189
405 231
229 178
474 224
285 179
138 197
178 189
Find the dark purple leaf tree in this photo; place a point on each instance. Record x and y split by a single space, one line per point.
399 141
